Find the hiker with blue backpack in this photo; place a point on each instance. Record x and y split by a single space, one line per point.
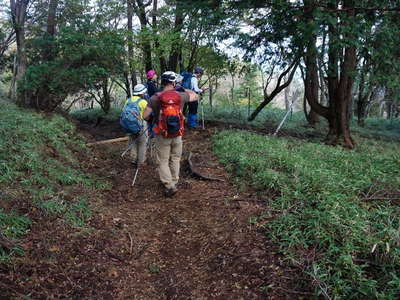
134 125
169 128
191 82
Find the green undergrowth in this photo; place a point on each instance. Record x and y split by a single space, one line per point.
335 212
91 115
42 168
268 117
296 123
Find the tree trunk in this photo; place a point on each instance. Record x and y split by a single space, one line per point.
158 50
18 15
340 91
12 92
362 103
106 101
176 41
232 88
132 71
287 97
339 87
43 98
146 44
48 53
127 84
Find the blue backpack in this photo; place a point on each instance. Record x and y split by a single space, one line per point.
187 80
130 117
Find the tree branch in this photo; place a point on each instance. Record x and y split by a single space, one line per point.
278 88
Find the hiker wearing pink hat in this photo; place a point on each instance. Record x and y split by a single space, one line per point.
151 83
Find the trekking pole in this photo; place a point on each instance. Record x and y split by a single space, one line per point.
134 178
283 120
127 149
202 112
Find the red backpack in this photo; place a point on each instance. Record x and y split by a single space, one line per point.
170 120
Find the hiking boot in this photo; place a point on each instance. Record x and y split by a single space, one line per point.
170 192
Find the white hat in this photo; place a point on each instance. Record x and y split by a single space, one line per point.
139 89
179 78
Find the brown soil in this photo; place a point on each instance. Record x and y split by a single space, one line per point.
140 245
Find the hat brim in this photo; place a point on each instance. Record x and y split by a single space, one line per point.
139 92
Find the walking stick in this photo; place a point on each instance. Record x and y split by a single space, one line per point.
128 148
202 112
134 178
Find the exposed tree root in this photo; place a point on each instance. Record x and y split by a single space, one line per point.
196 173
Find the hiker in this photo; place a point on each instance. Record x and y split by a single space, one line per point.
151 83
179 80
134 124
193 85
167 107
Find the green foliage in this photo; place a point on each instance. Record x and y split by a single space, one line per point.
76 213
323 195
84 55
297 125
269 117
39 163
91 115
12 227
376 128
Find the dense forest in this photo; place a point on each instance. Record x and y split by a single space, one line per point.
289 186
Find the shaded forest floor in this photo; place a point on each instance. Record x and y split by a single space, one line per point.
140 245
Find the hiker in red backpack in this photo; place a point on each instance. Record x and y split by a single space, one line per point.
169 127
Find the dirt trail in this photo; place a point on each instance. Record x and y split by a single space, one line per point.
197 245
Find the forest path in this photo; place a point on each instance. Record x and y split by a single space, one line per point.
197 245
140 245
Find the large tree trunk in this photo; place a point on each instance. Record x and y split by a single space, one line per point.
340 91
140 10
18 15
132 71
157 46
43 98
311 80
176 42
48 53
339 87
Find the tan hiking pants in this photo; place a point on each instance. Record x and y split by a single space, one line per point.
138 151
168 156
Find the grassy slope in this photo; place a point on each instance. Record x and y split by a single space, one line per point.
39 169
349 245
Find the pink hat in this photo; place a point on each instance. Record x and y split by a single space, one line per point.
150 74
